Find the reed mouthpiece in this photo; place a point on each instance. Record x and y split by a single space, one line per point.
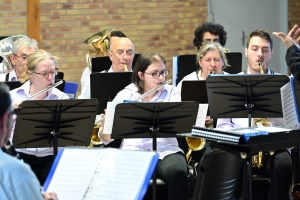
125 68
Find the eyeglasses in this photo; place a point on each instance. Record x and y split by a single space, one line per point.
24 57
121 53
46 74
156 74
209 40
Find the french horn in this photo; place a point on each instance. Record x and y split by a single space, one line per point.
6 50
101 43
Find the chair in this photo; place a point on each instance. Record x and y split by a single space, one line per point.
219 176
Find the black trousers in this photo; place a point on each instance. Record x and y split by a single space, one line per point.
39 165
174 171
283 173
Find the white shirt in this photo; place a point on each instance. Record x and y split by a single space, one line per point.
192 77
227 123
165 146
11 77
86 83
17 181
22 93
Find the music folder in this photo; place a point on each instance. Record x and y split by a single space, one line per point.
89 173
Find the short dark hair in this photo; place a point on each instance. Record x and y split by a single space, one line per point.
263 34
213 28
117 34
141 65
5 99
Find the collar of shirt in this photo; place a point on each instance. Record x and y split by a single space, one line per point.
13 76
111 70
269 71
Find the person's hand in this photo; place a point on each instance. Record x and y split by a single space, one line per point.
15 105
49 196
208 122
103 117
293 35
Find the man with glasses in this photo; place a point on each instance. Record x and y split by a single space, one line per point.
85 78
209 31
21 49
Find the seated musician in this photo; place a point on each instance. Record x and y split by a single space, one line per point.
21 49
211 59
259 50
85 78
40 74
292 43
149 72
17 180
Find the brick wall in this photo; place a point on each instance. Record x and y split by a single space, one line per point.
163 25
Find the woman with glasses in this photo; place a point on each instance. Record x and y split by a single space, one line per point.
149 72
40 74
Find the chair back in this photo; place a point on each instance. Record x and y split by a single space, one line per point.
219 176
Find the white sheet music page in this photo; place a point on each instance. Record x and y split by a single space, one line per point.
201 116
74 172
121 176
109 117
288 106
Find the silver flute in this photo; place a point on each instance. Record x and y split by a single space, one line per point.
45 90
141 97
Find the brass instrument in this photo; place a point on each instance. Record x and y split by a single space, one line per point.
261 67
100 42
125 68
195 144
257 160
6 51
226 50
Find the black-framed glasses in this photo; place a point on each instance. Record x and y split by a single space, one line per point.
210 40
156 74
121 53
46 74
23 57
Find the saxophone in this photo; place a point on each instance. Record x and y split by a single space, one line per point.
257 160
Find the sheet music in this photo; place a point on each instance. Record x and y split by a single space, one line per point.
121 175
201 116
109 117
85 173
288 106
74 173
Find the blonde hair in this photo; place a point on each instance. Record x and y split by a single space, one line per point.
210 46
34 59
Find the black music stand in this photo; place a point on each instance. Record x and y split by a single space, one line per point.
105 86
254 96
153 120
42 123
188 94
103 63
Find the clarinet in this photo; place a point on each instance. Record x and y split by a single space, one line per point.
10 150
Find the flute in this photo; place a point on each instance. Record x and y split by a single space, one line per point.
43 91
101 118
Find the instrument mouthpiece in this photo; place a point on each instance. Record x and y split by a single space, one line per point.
125 68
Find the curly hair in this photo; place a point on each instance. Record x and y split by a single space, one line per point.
213 28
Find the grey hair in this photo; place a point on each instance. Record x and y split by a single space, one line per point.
209 46
24 42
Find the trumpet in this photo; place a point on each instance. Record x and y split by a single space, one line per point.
101 118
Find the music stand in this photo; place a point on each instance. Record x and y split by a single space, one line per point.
190 95
105 86
42 123
103 63
254 96
153 120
